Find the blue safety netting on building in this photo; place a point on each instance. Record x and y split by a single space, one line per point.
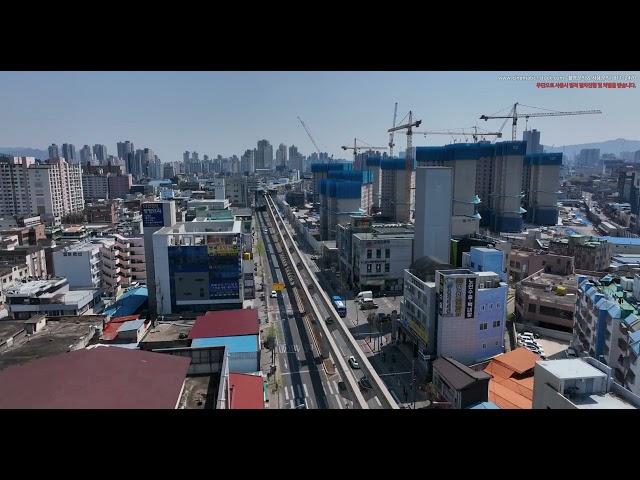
543 159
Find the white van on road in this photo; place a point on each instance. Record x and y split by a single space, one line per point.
364 295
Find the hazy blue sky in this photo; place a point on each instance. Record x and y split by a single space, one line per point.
227 112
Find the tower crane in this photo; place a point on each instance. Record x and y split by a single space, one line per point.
312 140
391 144
357 147
475 134
408 127
513 114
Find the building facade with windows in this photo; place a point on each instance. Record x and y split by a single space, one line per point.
80 263
607 325
198 266
471 314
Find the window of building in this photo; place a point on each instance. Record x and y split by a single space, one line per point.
369 268
368 253
378 267
378 253
387 253
484 345
483 307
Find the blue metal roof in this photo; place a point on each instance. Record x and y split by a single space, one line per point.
621 240
236 344
128 303
484 406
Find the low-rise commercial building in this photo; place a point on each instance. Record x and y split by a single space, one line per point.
547 300
32 256
455 313
9 276
28 230
471 314
96 378
101 212
579 383
458 384
52 298
198 266
374 256
236 330
607 325
523 263
589 253
80 264
512 379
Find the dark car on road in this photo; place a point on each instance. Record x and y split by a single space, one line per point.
365 384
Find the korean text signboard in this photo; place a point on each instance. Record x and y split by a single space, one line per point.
152 215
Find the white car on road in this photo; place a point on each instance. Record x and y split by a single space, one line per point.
274 294
354 363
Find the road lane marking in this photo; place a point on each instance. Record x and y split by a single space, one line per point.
306 392
339 401
378 401
286 394
285 365
293 394
293 404
330 389
335 384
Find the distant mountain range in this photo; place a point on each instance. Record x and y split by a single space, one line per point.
609 146
25 152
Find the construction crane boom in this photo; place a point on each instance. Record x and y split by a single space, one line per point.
357 147
391 144
310 136
515 115
475 134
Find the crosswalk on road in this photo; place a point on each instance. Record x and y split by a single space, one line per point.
284 348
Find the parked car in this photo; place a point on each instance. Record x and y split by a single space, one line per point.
354 363
367 304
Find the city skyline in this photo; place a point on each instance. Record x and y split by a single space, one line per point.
227 112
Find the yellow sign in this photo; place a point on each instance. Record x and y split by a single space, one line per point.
419 331
278 287
222 250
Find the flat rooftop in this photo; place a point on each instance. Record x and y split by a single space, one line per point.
56 337
567 369
169 331
604 401
34 286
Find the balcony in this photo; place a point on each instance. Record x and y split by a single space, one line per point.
622 344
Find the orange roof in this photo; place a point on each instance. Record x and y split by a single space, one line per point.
508 388
519 360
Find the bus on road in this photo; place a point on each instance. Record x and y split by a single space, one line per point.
340 305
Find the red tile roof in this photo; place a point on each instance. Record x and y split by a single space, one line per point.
111 329
97 378
245 391
226 323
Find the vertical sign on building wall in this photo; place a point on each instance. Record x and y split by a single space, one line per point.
459 296
152 215
470 297
448 297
